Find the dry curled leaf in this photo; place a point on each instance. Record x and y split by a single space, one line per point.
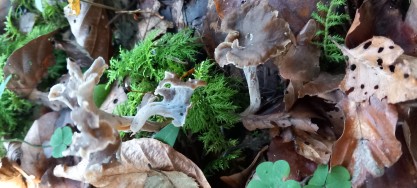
313 146
368 143
29 64
138 157
376 67
301 62
150 20
299 117
279 150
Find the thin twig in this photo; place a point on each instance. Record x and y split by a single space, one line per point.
101 5
139 11
30 144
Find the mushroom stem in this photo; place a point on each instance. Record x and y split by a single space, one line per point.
40 97
122 123
254 93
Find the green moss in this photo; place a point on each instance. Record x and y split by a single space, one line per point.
331 19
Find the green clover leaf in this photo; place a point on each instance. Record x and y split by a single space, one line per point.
272 175
338 177
60 140
319 176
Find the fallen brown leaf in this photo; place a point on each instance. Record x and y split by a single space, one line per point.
138 157
90 29
301 167
385 18
29 64
368 143
376 67
301 62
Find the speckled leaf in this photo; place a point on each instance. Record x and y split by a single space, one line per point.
377 67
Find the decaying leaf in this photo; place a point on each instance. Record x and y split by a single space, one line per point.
33 161
296 12
150 20
169 179
376 67
323 84
280 150
75 6
75 52
138 159
368 143
29 64
299 117
301 62
90 29
176 102
385 18
291 93
313 146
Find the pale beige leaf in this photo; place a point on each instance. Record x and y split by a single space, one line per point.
376 67
166 179
137 157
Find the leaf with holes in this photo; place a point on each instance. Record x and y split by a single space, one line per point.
377 67
368 143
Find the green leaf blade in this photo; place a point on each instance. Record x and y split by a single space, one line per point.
168 134
3 84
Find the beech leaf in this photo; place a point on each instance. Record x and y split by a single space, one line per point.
368 143
376 67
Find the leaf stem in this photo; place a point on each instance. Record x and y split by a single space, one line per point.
30 144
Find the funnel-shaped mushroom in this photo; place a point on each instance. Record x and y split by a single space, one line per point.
255 34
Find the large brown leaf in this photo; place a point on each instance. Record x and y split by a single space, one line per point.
29 64
90 29
138 159
368 143
376 67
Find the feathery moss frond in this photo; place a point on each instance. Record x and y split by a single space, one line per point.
330 20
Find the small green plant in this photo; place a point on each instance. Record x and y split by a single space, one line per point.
274 175
269 174
332 18
146 63
60 140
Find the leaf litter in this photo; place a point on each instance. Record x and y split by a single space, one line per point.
316 114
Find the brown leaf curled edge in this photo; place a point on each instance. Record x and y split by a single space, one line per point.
138 158
368 143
